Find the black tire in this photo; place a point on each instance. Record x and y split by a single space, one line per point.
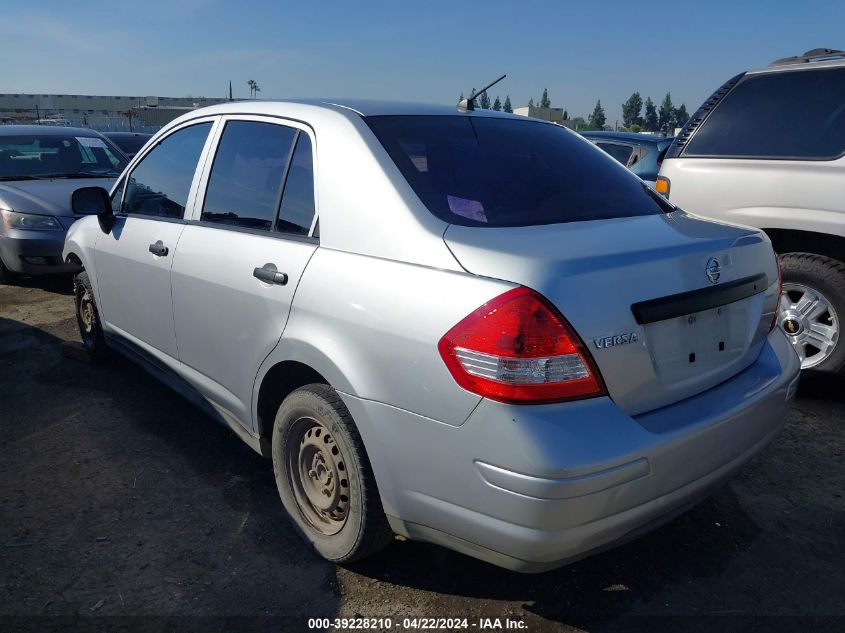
88 318
347 530
827 276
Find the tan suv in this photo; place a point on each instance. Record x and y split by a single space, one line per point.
767 149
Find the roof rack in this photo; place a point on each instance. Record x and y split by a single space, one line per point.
815 55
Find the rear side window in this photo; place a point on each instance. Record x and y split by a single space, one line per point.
622 153
785 115
159 184
480 171
246 179
297 210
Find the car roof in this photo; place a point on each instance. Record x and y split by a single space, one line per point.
46 130
126 134
811 60
628 136
361 107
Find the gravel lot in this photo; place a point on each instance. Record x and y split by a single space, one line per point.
118 498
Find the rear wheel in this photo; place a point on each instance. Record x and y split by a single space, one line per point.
812 309
324 477
88 318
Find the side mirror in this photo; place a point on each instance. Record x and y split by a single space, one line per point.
93 201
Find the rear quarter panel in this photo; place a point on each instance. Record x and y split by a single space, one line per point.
371 326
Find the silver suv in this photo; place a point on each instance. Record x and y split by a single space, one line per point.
767 150
433 327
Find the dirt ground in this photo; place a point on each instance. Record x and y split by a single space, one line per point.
118 500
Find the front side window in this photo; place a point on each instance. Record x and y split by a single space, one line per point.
622 153
117 196
785 115
490 171
247 175
160 183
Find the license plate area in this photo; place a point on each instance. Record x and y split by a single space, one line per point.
698 344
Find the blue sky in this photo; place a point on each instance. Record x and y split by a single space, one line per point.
428 51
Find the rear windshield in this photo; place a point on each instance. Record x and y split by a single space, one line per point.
479 171
782 115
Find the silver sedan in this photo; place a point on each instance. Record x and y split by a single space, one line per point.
459 326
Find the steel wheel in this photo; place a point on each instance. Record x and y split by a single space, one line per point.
810 322
317 470
86 314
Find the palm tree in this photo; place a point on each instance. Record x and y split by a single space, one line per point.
252 86
257 90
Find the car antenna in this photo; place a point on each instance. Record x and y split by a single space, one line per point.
466 105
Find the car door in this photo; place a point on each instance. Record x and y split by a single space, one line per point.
242 254
134 259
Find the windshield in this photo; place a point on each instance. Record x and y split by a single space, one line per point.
479 171
32 156
130 145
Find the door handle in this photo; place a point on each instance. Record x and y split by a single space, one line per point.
158 249
269 274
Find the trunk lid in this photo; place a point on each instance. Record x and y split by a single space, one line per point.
637 292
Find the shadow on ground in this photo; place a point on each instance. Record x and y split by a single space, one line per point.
118 497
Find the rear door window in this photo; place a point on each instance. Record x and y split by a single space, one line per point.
491 171
781 115
297 211
246 179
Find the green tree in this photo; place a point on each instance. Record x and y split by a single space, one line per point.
565 115
631 110
461 98
531 102
666 115
497 104
507 107
545 102
650 119
484 101
597 118
681 115
252 85
578 123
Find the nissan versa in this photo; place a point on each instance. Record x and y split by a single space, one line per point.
463 327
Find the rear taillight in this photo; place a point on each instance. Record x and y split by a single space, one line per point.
518 348
780 290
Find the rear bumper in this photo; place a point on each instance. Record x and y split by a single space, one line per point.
531 488
34 252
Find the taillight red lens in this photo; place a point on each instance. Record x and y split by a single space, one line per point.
780 291
518 348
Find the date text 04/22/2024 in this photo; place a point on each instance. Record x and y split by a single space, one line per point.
417 624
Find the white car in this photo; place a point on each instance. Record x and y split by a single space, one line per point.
768 150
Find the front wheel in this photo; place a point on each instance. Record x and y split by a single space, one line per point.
812 307
88 317
324 476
